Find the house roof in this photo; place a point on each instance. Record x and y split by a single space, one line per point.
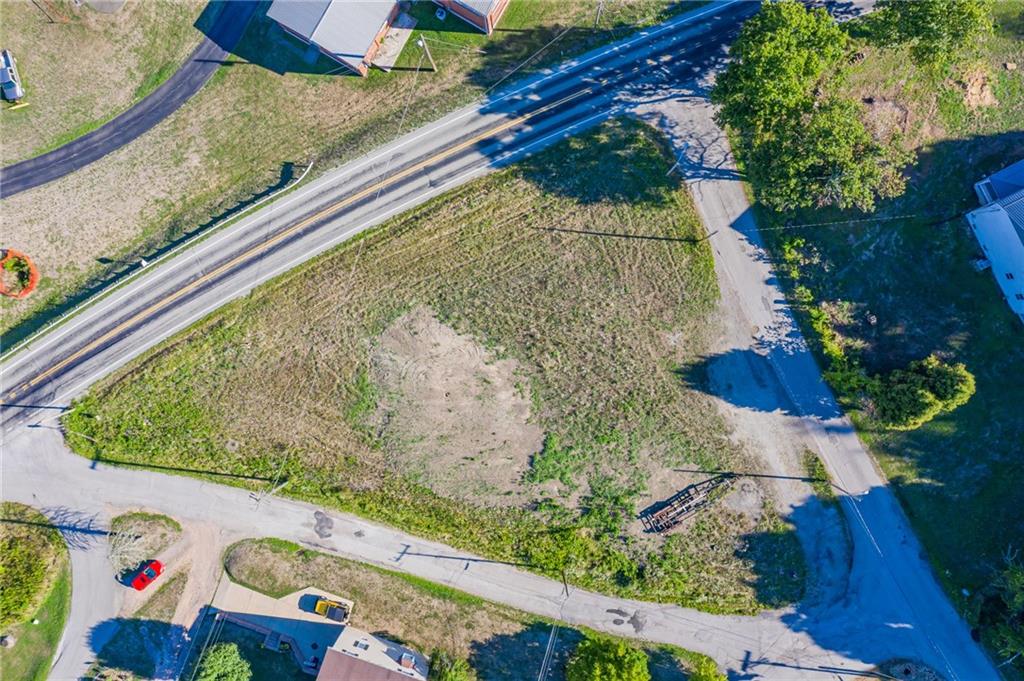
1008 181
361 656
999 228
481 7
343 28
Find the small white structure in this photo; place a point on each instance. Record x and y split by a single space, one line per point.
999 227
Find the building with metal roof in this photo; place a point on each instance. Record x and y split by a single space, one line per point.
999 227
484 14
347 31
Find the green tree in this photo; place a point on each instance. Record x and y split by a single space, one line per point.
777 61
223 662
825 156
909 398
446 667
601 659
938 32
951 384
706 670
1009 630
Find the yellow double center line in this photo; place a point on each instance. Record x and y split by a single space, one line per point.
280 236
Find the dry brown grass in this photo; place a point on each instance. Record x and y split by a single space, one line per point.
80 73
500 643
233 137
384 602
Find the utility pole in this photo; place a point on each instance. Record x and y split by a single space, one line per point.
426 48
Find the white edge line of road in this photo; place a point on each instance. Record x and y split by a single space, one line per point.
139 270
360 163
327 246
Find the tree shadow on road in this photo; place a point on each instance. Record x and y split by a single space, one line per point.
129 645
510 657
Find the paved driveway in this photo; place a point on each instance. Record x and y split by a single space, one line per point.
142 117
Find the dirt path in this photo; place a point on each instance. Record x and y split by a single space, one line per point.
747 390
197 553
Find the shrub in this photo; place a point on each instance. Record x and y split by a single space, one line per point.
28 549
223 662
938 31
446 667
1009 629
601 659
908 398
706 670
21 577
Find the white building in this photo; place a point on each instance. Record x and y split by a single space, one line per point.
999 227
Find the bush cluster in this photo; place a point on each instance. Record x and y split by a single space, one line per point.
603 659
908 398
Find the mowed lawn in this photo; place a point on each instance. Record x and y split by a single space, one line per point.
262 117
900 285
557 308
81 67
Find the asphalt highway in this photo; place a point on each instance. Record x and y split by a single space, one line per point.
530 116
143 116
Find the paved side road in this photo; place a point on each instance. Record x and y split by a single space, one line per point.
186 81
889 576
791 645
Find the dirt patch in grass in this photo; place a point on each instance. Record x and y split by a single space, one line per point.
590 329
450 414
81 72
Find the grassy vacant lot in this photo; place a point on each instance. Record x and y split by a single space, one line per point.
259 115
899 285
35 583
81 72
499 642
481 372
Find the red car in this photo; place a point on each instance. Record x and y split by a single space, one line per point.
149 572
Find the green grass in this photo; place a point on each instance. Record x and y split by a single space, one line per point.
31 657
156 519
31 551
891 291
821 483
266 665
590 348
